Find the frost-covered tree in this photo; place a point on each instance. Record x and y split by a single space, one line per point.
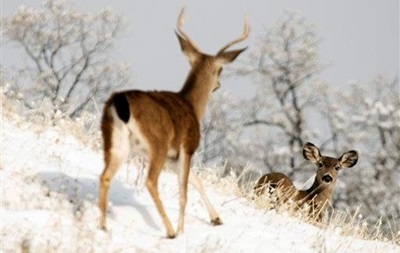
283 67
224 142
67 50
367 118
221 130
292 106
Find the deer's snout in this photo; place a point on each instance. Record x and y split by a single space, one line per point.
327 178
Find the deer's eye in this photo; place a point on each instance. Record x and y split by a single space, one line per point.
337 167
216 87
320 165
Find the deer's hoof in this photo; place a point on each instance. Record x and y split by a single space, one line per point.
103 226
171 236
216 221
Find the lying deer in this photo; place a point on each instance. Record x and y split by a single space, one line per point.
320 193
164 126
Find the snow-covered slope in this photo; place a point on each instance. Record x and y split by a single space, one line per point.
49 204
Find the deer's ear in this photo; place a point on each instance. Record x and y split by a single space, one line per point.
229 56
311 153
348 159
188 49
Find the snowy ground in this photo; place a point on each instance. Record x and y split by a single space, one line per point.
49 204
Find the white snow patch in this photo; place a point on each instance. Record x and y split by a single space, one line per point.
49 204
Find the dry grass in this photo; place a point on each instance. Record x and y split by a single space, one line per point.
85 128
337 221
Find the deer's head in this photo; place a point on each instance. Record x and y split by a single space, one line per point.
328 167
207 66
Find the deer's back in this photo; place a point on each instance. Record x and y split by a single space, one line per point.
163 117
273 180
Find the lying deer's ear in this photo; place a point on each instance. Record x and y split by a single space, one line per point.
348 159
311 153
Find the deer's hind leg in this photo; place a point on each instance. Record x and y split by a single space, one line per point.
182 169
197 183
183 174
157 159
116 150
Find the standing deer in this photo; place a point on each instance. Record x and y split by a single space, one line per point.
164 125
320 193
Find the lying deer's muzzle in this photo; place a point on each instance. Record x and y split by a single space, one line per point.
327 179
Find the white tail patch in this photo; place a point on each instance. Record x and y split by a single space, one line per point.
138 141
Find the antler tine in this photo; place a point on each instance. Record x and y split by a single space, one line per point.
179 25
245 34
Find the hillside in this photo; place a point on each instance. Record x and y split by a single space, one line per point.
49 204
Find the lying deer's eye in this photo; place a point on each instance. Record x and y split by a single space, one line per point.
217 87
320 165
337 167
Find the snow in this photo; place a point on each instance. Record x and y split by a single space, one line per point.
49 204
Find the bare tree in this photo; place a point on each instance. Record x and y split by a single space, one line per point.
221 130
373 123
367 117
283 68
68 52
292 106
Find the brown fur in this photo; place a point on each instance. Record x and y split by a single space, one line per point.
172 119
319 195
163 125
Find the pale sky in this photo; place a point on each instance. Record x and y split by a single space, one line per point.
360 38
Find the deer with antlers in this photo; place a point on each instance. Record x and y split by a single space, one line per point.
320 193
164 126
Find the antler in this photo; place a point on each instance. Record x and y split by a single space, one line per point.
179 25
245 34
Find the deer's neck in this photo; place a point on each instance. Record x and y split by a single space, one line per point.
318 192
197 90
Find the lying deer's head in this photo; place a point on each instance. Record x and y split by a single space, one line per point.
328 167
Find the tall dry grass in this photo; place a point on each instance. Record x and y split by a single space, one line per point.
42 117
339 222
